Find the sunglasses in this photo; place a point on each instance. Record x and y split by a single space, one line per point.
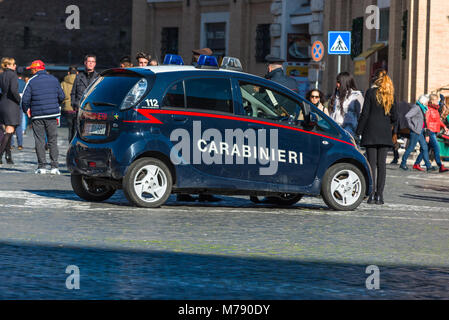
314 97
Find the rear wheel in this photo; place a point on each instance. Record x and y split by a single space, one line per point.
147 183
343 187
88 189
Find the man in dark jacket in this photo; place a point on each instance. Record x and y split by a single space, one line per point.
276 73
83 80
41 100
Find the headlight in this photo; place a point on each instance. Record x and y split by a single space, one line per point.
134 94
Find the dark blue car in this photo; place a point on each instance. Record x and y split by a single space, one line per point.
160 130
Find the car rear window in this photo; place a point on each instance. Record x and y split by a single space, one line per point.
110 89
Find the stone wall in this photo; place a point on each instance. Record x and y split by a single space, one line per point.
37 30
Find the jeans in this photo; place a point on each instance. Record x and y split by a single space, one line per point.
433 143
414 139
20 129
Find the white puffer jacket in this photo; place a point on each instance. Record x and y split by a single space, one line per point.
352 107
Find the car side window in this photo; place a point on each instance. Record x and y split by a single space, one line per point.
212 94
261 102
174 96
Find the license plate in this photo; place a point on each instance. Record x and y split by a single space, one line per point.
94 129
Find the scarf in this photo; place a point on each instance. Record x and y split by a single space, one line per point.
423 107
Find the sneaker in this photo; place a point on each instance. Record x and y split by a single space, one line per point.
394 161
431 169
417 167
55 171
443 169
19 148
403 167
41 171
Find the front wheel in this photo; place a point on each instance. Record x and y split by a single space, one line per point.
88 189
343 187
147 183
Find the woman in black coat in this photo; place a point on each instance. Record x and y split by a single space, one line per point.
10 114
378 117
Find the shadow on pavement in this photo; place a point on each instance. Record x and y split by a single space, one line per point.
425 198
36 271
227 202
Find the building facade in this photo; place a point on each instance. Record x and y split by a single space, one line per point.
238 28
32 30
411 43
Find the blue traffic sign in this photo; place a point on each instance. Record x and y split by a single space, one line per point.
339 42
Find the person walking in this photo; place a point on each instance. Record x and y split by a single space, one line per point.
10 116
378 116
83 80
41 100
20 130
416 122
67 108
275 72
346 103
317 98
433 126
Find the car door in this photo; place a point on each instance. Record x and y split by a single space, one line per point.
293 150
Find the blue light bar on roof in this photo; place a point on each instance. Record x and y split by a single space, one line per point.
207 62
173 59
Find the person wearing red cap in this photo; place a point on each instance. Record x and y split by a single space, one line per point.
41 100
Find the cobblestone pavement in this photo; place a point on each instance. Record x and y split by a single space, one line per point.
229 250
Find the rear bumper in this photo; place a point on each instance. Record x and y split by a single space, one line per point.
93 160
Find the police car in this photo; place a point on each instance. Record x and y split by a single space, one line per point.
154 131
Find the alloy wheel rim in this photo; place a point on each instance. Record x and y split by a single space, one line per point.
346 187
150 183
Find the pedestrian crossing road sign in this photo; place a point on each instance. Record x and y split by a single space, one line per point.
339 42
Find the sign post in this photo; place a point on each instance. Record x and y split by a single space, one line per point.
339 43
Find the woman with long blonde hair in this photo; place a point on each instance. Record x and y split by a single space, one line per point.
375 124
10 115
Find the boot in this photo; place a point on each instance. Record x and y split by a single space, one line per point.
372 198
8 157
380 199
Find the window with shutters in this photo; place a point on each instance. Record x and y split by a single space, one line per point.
357 37
263 42
169 41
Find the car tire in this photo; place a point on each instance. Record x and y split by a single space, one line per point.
343 187
87 191
287 199
148 183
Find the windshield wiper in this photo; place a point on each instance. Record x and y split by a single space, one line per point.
107 104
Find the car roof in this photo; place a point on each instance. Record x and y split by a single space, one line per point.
174 68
